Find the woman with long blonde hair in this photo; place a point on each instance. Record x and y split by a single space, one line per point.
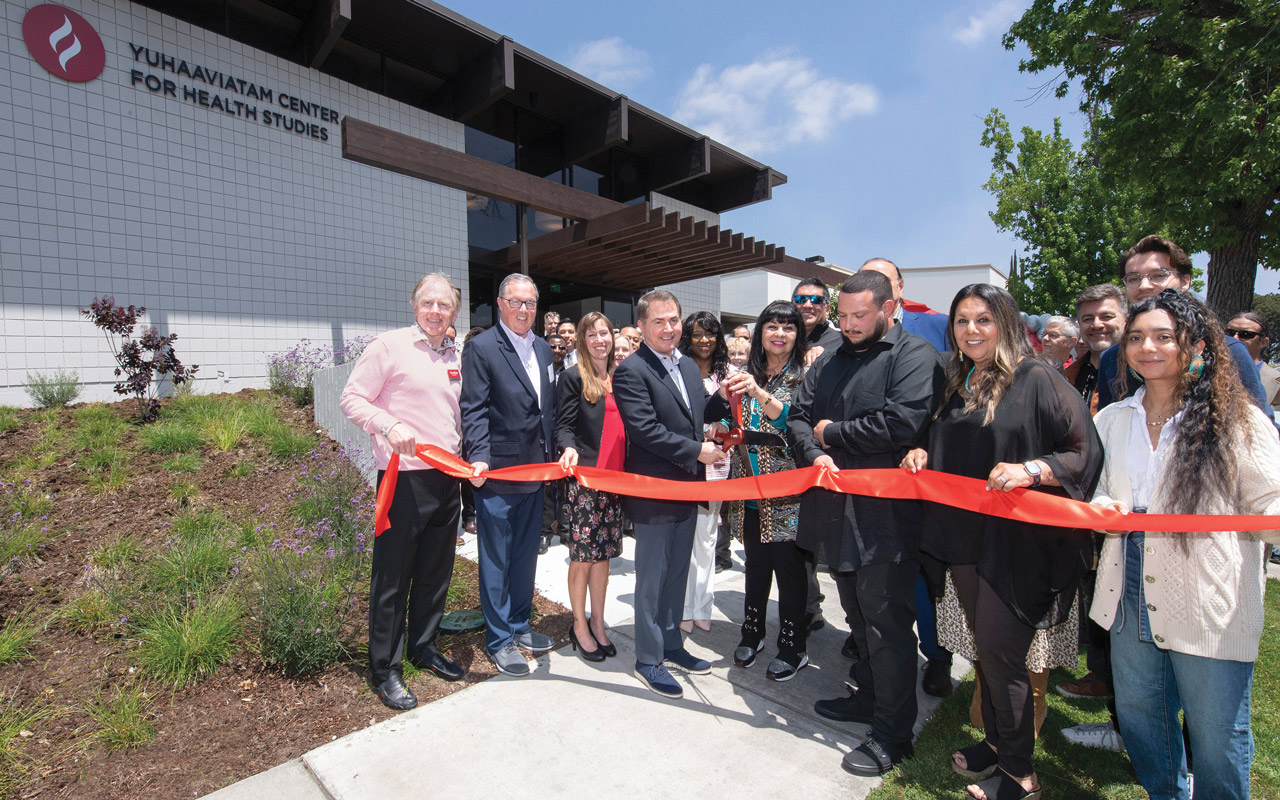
589 433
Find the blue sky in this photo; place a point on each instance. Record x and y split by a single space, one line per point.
873 110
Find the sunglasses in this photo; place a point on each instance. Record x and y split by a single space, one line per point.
1243 336
809 299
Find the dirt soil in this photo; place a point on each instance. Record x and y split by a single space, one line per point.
243 719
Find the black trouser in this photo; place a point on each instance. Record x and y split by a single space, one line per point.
813 592
468 503
879 601
412 565
724 559
1002 641
551 508
764 561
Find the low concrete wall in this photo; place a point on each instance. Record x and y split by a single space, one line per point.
328 385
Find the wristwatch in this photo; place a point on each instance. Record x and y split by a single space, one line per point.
387 426
1033 469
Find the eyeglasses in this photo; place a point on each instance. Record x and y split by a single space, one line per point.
532 305
1155 276
809 299
1243 336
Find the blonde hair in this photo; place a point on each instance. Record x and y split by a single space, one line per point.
738 343
594 386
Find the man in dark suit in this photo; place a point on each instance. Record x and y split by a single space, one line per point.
508 411
933 329
663 405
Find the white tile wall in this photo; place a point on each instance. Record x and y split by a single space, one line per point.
239 237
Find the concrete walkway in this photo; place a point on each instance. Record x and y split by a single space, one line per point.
572 729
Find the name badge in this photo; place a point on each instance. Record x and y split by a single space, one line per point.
455 375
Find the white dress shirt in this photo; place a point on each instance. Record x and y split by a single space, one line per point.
528 358
672 363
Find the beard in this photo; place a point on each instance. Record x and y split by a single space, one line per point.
878 332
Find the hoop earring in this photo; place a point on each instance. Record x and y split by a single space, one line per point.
1196 368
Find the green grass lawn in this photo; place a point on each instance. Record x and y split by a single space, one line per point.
1069 772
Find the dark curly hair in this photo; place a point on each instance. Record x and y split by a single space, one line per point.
720 353
1214 406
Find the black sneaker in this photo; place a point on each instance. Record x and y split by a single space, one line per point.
873 757
845 709
782 670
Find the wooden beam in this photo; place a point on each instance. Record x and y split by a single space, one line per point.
323 29
626 221
677 166
745 189
489 77
408 155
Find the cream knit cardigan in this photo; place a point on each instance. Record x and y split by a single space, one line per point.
1206 601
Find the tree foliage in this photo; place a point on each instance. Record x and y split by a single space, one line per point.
1184 96
1054 199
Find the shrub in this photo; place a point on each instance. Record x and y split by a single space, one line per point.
9 419
170 437
18 631
181 644
292 372
306 580
90 611
14 719
144 361
286 443
54 390
123 719
183 462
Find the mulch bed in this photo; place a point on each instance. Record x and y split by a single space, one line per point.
241 720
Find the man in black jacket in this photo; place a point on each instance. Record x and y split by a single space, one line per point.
862 407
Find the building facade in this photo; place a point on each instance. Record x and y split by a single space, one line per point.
257 173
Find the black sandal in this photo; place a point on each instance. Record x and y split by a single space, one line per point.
1003 786
979 761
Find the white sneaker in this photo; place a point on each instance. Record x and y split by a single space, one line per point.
1095 734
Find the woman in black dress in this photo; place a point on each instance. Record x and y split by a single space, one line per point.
1014 422
589 433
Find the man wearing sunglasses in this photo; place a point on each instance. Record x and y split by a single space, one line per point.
812 298
1251 328
508 411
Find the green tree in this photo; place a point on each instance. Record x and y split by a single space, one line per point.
1184 96
1054 199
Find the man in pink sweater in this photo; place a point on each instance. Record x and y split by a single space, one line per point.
404 391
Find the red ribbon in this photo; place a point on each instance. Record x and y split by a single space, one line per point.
1038 508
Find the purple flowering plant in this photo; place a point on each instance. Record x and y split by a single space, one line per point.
292 372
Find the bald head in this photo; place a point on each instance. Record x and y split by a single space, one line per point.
888 269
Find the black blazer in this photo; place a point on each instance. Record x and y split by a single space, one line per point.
579 424
502 423
664 437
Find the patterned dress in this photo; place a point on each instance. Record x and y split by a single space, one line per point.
593 519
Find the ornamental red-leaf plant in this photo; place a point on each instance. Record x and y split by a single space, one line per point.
141 362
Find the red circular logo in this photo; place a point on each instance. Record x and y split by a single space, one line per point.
64 43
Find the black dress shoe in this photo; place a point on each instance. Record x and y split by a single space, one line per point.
395 695
435 663
543 544
850 649
816 622
937 679
845 709
874 757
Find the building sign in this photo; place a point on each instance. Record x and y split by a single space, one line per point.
63 42
170 76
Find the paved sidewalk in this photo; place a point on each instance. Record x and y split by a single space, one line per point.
571 723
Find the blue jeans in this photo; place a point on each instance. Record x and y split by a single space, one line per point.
507 528
1214 696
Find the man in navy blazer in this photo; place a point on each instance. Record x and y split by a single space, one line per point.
508 412
663 405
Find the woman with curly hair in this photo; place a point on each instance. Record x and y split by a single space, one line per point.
1012 421
1184 609
767 528
703 340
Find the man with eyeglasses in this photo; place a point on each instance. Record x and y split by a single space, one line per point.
1147 269
508 412
813 299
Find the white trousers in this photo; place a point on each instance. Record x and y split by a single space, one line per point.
699 593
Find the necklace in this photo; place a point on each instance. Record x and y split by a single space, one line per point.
967 377
1156 423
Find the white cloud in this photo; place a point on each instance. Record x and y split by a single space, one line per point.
770 104
611 62
996 18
